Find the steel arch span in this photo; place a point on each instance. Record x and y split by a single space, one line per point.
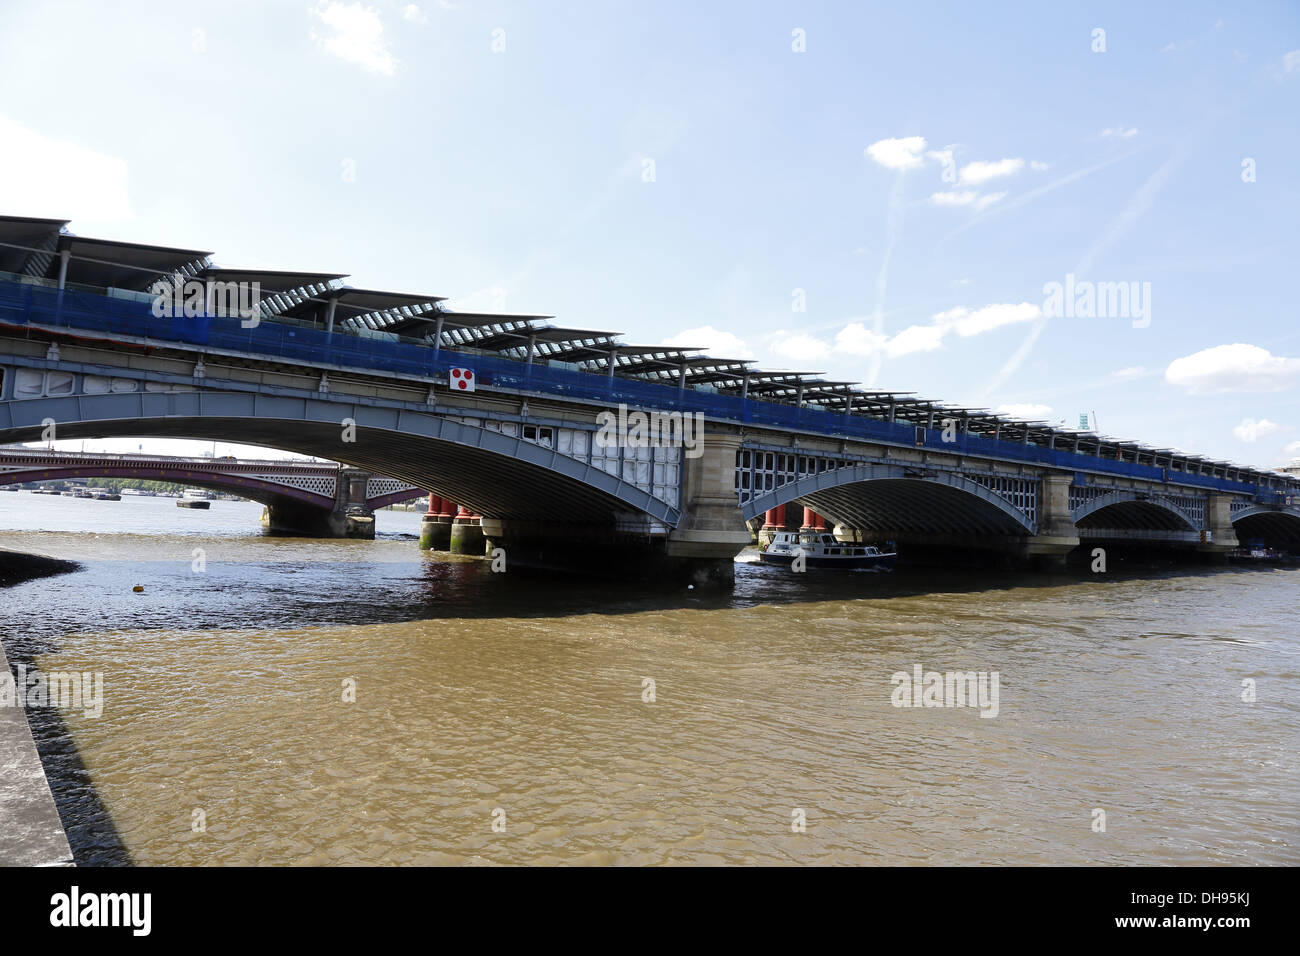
1274 525
494 474
889 498
1126 509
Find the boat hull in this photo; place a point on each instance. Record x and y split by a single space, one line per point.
202 505
877 562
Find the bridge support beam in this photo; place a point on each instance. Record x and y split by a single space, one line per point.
1220 535
1057 535
435 526
773 521
349 518
467 533
711 531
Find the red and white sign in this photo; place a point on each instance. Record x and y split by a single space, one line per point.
461 379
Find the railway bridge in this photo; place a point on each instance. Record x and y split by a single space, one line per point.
301 497
571 446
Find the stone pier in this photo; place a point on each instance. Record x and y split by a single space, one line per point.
349 518
703 546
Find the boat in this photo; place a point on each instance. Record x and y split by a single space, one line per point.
195 498
821 550
104 494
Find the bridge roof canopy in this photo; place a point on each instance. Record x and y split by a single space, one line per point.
595 347
135 266
651 359
567 345
698 369
454 318
363 308
272 280
21 237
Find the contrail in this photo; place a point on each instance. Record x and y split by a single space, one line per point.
893 225
1037 193
1139 203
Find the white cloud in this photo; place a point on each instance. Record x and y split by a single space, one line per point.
954 197
1128 374
981 171
1291 447
902 153
1234 368
967 323
715 342
42 177
800 346
414 14
1291 61
965 197
915 338
943 156
1119 132
358 35
1250 430
1038 167
856 339
1029 412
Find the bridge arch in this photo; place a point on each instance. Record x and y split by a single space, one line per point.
266 492
494 474
1127 509
1278 527
889 498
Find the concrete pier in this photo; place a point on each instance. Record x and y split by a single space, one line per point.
31 833
435 526
466 534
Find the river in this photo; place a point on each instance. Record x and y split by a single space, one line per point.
507 718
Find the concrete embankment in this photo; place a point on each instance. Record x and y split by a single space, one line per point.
31 833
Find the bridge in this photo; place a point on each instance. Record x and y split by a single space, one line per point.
510 416
307 498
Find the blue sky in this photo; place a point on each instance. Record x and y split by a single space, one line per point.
914 175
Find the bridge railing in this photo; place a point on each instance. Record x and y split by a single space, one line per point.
23 303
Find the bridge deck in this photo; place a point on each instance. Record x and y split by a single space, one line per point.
32 306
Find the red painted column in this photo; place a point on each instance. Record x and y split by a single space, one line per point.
433 509
774 519
809 520
821 522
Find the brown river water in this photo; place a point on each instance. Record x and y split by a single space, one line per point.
520 700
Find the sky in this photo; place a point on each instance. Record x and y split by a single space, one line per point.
944 199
